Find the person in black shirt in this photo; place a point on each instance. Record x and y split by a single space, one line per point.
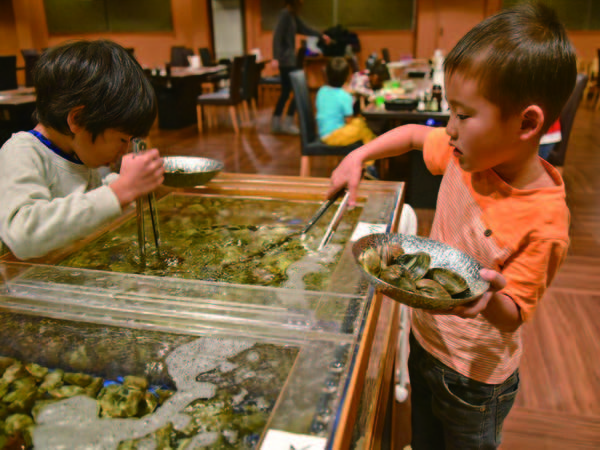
284 57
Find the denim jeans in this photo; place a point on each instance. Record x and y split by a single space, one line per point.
451 411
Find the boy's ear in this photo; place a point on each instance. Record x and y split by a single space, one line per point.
532 122
72 119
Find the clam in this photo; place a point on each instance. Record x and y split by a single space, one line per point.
148 404
432 288
14 372
17 422
398 276
390 252
92 389
133 382
67 391
416 263
78 379
52 381
118 401
371 261
36 371
5 363
452 282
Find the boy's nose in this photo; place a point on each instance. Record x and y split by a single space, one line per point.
451 127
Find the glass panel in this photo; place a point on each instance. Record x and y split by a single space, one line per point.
94 357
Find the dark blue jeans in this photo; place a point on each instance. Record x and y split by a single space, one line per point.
286 90
451 411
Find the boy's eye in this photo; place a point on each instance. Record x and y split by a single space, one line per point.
462 116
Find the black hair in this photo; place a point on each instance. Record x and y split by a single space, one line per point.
520 56
337 70
380 69
100 76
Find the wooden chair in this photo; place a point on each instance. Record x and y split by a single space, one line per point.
311 145
230 98
8 73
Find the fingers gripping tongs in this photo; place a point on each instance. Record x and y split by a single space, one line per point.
336 218
139 145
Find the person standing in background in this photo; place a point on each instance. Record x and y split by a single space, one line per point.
284 57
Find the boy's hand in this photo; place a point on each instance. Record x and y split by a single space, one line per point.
347 174
141 173
473 309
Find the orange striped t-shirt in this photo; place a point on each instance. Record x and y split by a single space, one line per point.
522 234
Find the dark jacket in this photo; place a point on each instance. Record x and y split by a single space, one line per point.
284 37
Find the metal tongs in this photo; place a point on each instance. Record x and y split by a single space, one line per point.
335 221
139 145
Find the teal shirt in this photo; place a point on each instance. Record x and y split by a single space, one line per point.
333 106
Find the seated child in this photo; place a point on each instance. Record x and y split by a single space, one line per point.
335 120
92 99
500 203
367 82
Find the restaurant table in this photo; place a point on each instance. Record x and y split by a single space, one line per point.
421 186
336 390
177 94
16 110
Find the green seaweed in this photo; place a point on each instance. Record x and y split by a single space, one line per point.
241 241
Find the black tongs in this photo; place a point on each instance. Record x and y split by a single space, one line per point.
139 145
336 218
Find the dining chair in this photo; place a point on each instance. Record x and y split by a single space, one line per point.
567 116
30 56
206 57
310 144
179 56
8 73
385 54
229 98
250 85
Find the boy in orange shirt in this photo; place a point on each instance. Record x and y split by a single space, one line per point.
506 83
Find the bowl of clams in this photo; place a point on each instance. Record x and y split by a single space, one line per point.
419 272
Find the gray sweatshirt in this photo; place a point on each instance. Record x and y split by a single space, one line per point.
284 37
47 202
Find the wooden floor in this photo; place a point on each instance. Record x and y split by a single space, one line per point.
558 406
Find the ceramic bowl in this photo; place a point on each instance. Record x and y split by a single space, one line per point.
442 255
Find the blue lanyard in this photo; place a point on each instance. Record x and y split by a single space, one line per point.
44 140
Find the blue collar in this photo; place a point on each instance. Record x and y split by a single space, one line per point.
44 140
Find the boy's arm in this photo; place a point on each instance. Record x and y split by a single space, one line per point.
393 143
32 223
515 293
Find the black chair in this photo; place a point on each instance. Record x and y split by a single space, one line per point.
385 54
8 73
206 57
208 61
250 84
179 56
230 98
311 145
567 116
30 56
